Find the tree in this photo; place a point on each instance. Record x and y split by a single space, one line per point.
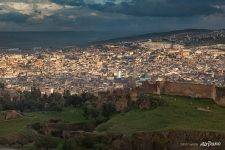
35 92
66 93
30 101
68 145
108 109
2 86
74 100
6 104
88 97
90 110
55 102
45 142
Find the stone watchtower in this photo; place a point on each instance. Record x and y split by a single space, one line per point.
160 86
213 91
220 96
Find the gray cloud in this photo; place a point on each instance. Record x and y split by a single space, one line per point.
122 17
14 17
154 8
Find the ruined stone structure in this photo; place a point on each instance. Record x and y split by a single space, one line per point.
122 97
119 97
148 140
10 114
147 88
217 94
10 94
220 96
187 89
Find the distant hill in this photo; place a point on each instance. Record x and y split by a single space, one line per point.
45 39
65 39
189 37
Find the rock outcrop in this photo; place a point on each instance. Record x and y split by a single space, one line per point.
11 114
161 140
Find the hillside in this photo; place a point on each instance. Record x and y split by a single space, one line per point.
15 126
181 118
188 37
178 113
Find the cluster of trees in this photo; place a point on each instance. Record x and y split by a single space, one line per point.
149 101
100 115
35 101
32 101
87 102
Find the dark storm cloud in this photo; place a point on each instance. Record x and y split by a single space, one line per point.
14 17
70 2
154 8
118 16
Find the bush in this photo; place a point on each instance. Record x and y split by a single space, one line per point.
90 110
155 102
46 142
74 100
146 101
108 109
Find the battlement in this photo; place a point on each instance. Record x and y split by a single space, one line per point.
187 89
217 94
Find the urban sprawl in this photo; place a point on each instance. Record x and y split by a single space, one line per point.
111 66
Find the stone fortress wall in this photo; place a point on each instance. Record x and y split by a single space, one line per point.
217 94
220 96
187 89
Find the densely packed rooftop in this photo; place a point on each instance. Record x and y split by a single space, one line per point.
115 65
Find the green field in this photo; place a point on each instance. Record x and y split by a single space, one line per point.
177 113
20 125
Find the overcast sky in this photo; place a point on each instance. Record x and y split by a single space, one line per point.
124 16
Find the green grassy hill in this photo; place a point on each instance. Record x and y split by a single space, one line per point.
178 113
9 127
